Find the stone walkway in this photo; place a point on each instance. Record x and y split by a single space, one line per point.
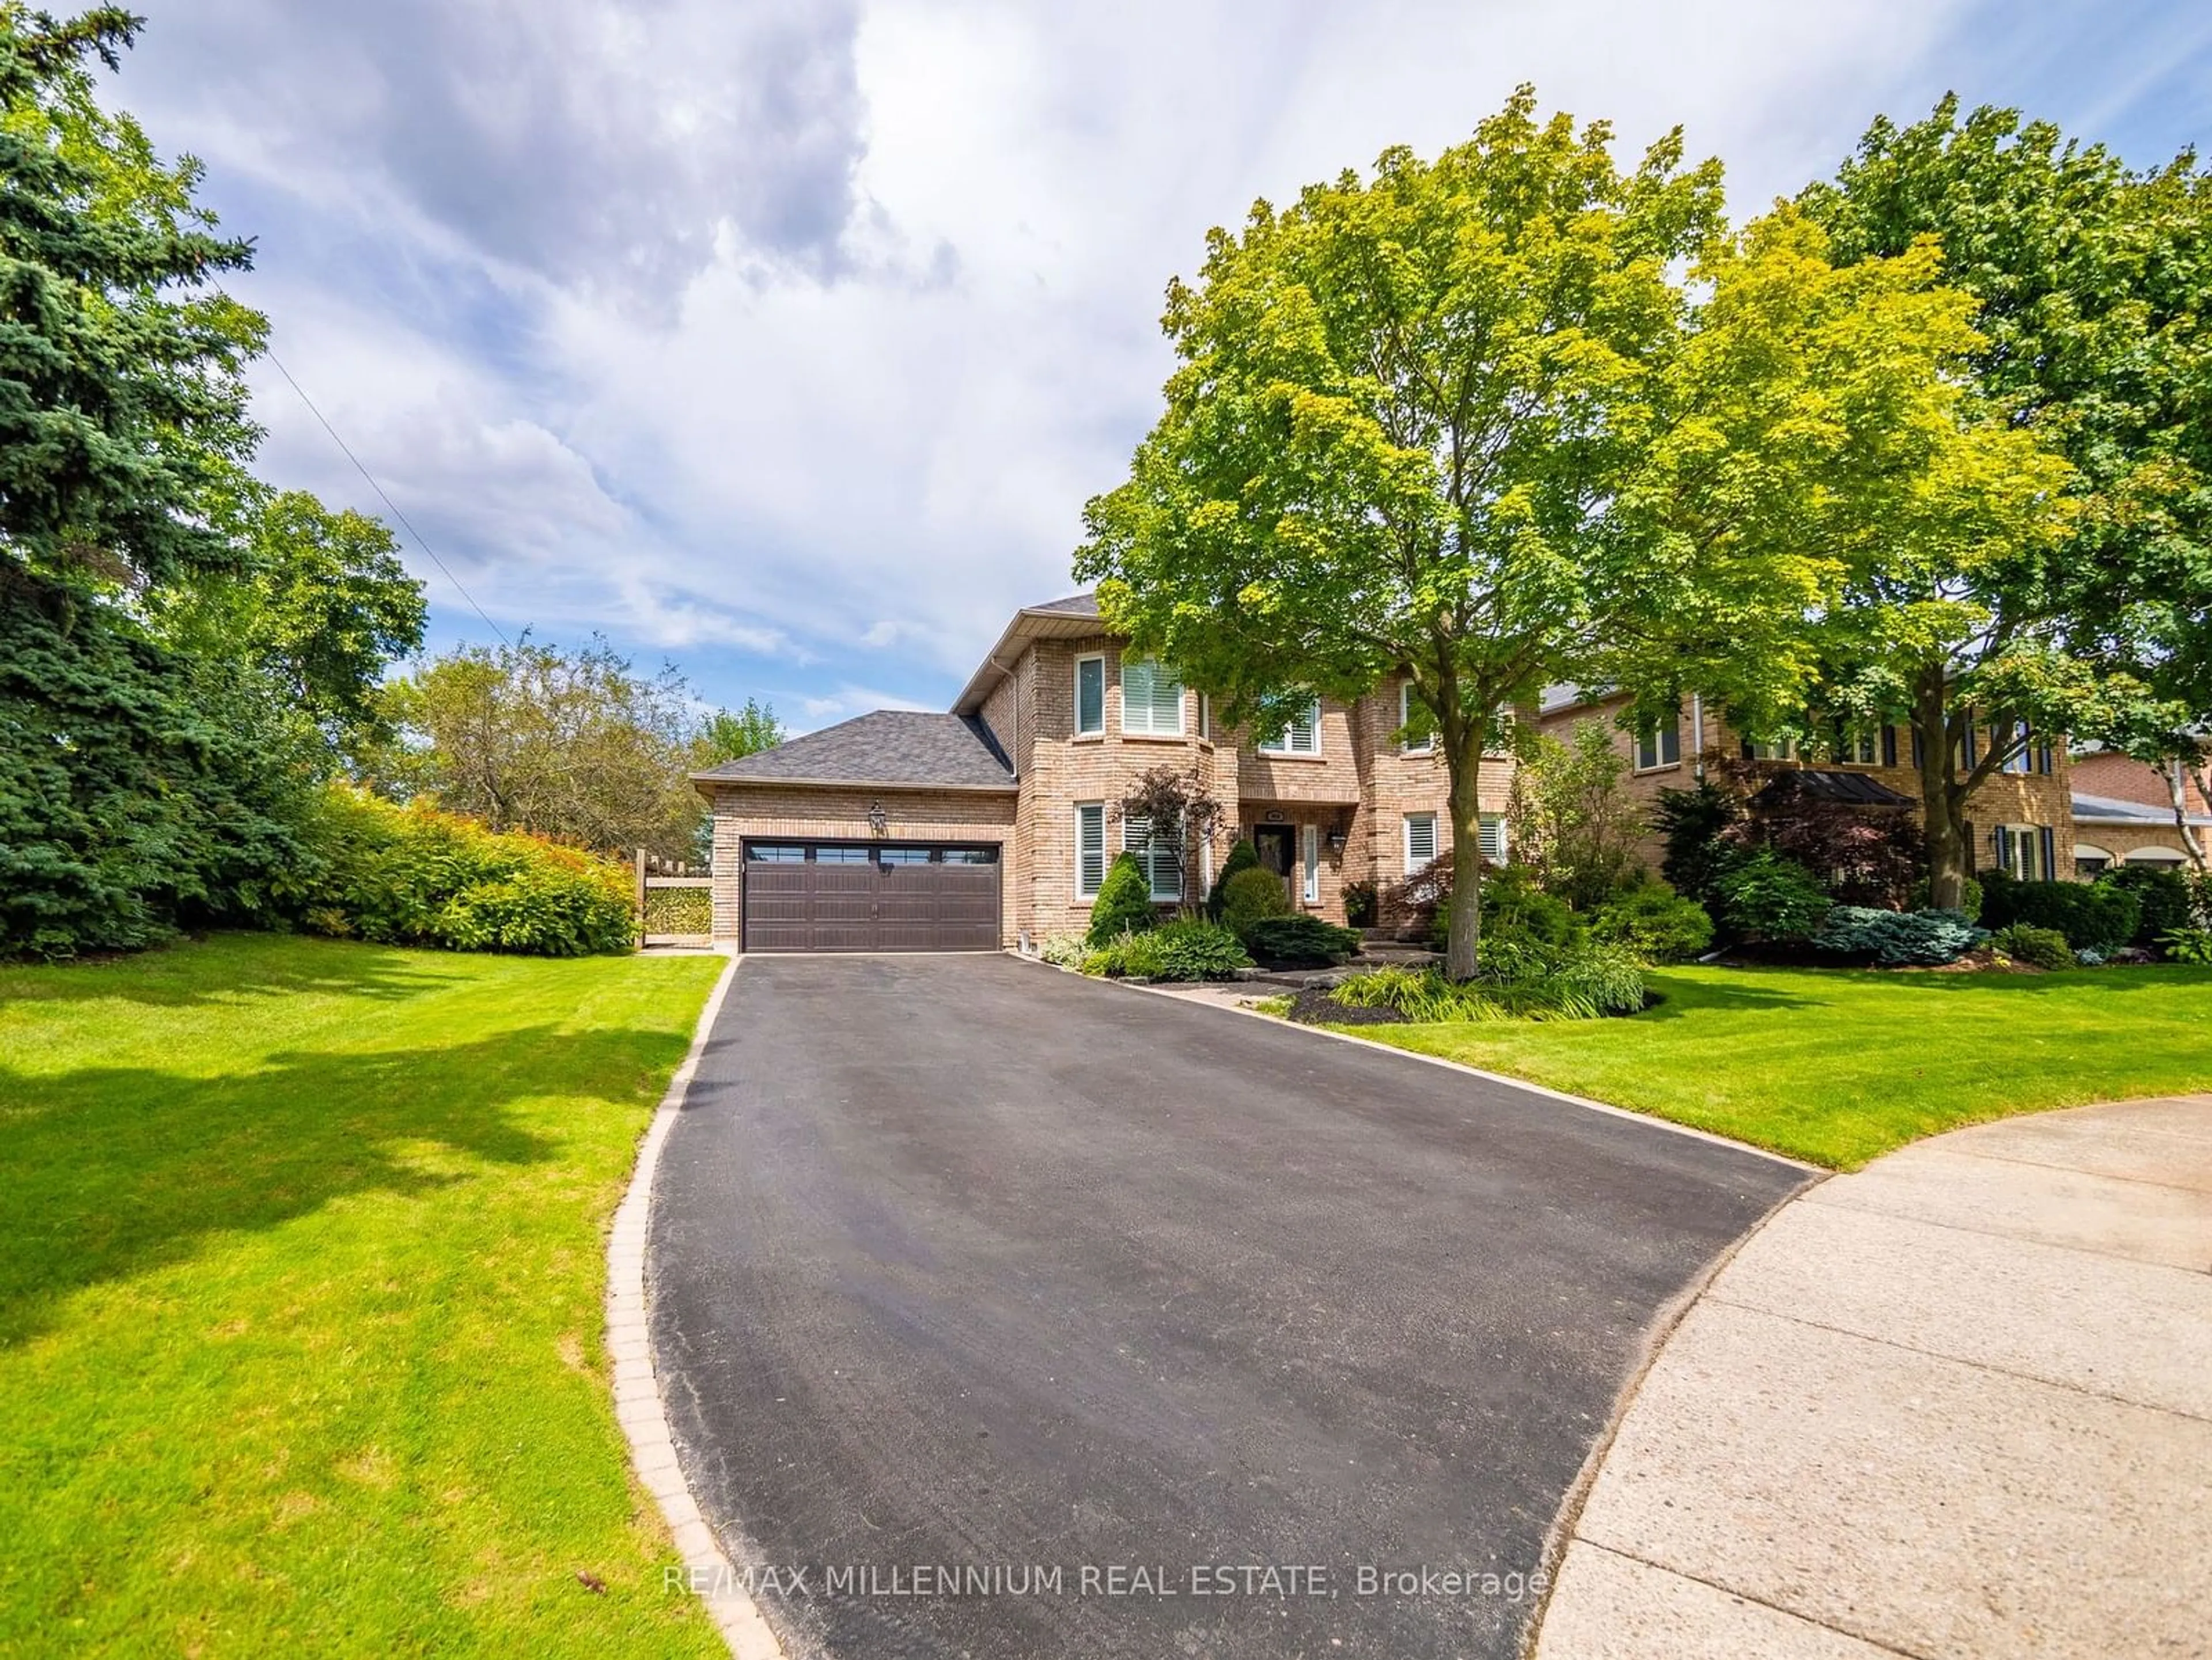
1958 1404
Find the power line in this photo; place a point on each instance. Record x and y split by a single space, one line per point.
421 541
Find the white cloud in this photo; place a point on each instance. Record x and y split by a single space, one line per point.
775 329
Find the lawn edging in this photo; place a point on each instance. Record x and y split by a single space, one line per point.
638 1405
1650 1118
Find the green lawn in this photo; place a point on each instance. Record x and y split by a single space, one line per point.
1839 1068
301 1282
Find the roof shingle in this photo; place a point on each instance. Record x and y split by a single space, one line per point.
891 748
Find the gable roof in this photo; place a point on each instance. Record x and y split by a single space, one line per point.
890 749
1075 617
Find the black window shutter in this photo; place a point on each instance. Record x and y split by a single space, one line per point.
1973 862
1747 749
2050 853
1889 746
1970 745
1915 749
2043 757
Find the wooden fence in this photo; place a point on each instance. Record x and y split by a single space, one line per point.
676 901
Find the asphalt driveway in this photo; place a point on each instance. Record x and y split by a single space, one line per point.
1005 1314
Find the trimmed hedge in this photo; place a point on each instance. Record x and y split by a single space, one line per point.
2163 895
1251 895
1301 941
414 876
2099 916
1242 856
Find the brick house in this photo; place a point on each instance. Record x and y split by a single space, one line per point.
994 822
2124 814
2021 819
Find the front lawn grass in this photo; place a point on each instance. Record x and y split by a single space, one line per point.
301 1275
1837 1067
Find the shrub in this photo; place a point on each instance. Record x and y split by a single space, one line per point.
416 876
1124 903
1409 908
2097 915
2089 959
2039 948
1193 950
1654 923
1252 894
2162 896
1869 856
1766 896
1301 941
1126 954
1517 983
1360 904
1064 951
1241 857
1896 939
1515 907
1691 823
2191 946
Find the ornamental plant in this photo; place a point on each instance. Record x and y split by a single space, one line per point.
1124 904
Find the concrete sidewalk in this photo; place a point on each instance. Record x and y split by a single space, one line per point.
1958 1404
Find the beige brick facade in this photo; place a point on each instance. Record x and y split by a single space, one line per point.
2099 835
1359 790
2037 801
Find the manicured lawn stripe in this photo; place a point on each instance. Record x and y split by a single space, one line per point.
1837 1068
300 1290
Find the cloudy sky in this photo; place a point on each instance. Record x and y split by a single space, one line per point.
785 338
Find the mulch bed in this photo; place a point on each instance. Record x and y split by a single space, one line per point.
1315 1007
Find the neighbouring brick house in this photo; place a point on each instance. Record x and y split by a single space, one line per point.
995 821
2021 819
2124 814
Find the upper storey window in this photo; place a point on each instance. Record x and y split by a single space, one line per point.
1300 734
1424 743
1090 695
1151 698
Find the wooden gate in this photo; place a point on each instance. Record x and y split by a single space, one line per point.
675 901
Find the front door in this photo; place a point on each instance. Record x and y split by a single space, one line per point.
1277 848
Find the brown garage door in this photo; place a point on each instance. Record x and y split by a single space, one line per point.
842 896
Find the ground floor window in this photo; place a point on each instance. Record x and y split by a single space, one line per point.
1490 837
2025 851
1090 849
1420 840
2089 861
1161 858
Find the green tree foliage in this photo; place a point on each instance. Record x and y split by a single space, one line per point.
731 735
1575 824
306 628
129 804
2094 332
574 744
127 811
123 411
1517 418
1124 902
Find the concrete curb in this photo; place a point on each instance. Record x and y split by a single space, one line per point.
638 1405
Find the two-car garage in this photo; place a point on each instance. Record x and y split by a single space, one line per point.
891 831
885 895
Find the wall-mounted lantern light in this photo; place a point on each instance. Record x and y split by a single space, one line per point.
879 822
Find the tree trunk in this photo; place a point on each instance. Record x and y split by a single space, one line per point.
2177 782
1465 916
1941 800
